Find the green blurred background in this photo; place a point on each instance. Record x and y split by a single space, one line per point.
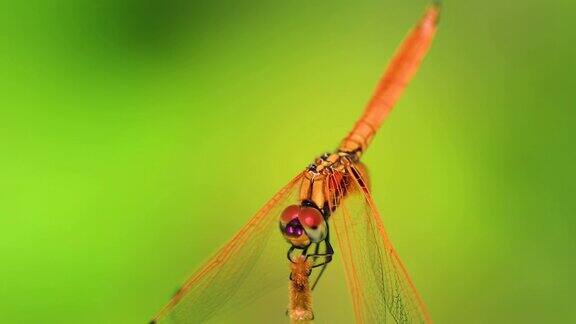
137 136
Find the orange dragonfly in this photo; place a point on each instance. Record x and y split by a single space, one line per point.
330 198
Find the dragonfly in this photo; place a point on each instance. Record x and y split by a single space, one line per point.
290 239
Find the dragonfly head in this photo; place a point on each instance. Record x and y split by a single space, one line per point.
302 225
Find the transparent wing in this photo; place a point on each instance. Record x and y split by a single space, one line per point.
381 289
251 265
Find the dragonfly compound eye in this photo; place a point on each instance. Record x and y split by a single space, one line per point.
313 223
291 227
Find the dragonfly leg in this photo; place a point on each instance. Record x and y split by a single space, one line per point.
291 249
319 275
327 259
327 256
316 252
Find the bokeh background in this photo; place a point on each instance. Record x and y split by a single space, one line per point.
137 136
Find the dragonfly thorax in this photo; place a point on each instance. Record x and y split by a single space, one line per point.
326 181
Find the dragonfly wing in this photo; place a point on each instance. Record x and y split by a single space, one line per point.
381 289
246 268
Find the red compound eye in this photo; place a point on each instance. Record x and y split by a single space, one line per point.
290 213
310 217
313 223
302 225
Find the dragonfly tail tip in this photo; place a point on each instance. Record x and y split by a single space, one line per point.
435 9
